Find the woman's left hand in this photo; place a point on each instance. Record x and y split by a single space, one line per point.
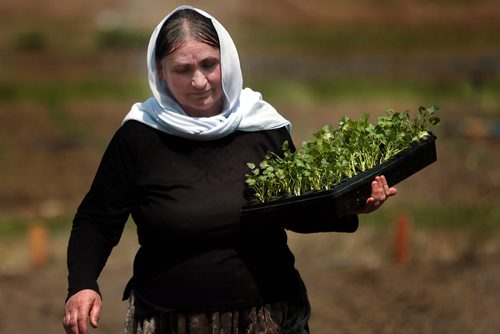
380 193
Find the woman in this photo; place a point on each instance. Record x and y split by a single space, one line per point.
177 166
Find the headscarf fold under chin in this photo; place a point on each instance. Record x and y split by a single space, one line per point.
244 109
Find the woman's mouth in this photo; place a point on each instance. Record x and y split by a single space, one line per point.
201 94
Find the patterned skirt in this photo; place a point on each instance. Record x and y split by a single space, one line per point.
276 318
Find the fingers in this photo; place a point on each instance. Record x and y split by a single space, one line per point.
75 321
70 322
82 320
380 192
83 306
388 191
95 313
373 202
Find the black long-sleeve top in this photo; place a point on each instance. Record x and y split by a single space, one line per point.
185 196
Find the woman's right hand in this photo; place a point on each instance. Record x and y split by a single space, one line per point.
83 306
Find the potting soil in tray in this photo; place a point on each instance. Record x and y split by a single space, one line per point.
351 195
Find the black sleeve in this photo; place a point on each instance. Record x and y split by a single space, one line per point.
101 217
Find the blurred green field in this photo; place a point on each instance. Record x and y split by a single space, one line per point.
69 74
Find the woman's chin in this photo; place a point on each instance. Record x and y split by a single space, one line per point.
204 108
202 111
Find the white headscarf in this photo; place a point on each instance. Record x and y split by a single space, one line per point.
244 109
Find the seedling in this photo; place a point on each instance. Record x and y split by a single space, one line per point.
338 154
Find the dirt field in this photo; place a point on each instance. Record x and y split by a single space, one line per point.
49 151
447 286
451 283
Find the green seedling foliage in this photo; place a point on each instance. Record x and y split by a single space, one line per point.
338 154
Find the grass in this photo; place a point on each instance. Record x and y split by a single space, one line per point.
366 38
73 130
53 92
327 90
273 40
278 89
56 95
443 217
15 226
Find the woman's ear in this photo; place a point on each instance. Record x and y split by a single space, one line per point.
161 74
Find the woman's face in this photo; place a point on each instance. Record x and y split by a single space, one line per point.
193 75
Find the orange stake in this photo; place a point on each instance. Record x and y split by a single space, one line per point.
38 240
402 242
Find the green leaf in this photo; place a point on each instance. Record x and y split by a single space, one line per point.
337 154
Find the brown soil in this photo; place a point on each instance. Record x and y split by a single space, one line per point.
450 284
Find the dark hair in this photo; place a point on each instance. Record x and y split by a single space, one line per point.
181 26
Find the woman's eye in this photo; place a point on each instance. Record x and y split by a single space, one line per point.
210 64
181 70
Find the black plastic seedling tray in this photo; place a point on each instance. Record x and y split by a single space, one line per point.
351 195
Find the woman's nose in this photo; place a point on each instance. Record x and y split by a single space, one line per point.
199 80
